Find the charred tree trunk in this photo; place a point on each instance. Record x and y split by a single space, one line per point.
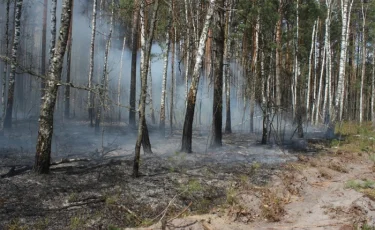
90 98
43 146
152 110
143 137
44 41
133 74
16 40
219 44
173 79
192 95
228 120
69 64
278 54
5 72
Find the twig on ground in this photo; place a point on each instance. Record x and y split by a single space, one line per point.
179 214
66 160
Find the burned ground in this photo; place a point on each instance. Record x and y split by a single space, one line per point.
91 187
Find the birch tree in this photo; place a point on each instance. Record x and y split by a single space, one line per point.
145 57
192 95
327 48
363 72
11 83
45 131
104 80
165 71
90 98
53 30
346 6
308 93
120 79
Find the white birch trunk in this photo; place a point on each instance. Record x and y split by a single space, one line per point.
120 79
53 29
11 84
187 65
315 74
103 92
310 72
337 113
90 98
345 13
145 55
363 73
43 147
327 104
165 71
320 85
186 145
296 66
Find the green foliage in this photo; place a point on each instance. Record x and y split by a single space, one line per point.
359 185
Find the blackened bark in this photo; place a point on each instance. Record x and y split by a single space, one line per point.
133 74
44 41
143 137
43 146
69 64
5 72
17 31
187 132
217 110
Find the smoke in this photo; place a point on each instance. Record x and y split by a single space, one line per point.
28 88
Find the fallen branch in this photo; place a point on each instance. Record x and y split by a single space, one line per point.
66 160
16 171
185 209
122 207
78 204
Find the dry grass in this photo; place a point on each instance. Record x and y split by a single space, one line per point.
272 206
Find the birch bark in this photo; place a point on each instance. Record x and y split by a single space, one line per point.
90 98
165 71
45 132
145 57
189 115
11 84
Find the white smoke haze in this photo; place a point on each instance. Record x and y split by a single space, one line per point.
27 95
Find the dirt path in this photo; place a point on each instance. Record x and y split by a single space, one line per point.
312 193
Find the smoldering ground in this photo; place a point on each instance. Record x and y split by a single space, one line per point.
93 190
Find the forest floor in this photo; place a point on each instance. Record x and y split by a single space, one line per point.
304 184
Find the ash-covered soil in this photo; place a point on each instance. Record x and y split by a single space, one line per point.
90 185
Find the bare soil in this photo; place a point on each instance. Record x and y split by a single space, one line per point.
241 186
